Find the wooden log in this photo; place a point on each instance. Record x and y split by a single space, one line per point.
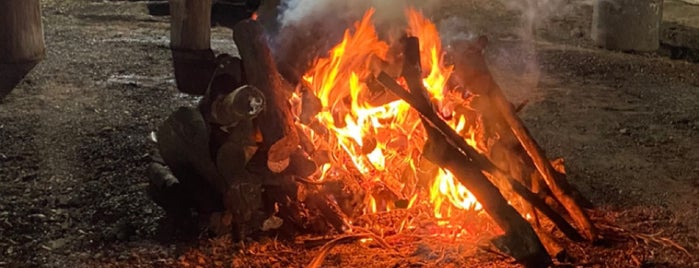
276 122
244 103
420 102
301 164
310 106
502 179
520 240
190 34
183 142
190 24
561 189
627 25
522 243
21 41
227 77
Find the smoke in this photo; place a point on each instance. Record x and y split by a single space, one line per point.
324 21
536 13
309 28
296 12
514 28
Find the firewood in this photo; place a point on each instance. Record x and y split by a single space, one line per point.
377 94
231 160
310 106
329 211
456 141
485 86
244 200
304 141
520 240
183 142
554 249
227 77
244 103
276 122
301 164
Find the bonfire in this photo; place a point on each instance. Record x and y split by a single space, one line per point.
376 140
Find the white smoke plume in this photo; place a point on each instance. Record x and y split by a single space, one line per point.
325 20
294 12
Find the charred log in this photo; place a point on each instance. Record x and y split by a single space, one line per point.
485 86
520 240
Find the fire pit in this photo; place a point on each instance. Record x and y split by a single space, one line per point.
376 138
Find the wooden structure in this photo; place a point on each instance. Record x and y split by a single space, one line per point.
21 41
190 42
627 25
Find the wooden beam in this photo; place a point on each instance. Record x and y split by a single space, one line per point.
21 41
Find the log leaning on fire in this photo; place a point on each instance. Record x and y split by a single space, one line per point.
486 87
520 240
277 127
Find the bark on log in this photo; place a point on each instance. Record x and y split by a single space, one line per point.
456 141
522 243
190 22
276 122
227 77
183 142
520 240
561 189
21 41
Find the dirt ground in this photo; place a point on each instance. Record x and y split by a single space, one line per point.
74 141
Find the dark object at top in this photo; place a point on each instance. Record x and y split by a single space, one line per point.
224 13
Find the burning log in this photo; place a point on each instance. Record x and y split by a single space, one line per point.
520 240
277 127
486 87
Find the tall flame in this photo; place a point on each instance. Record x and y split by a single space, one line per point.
380 142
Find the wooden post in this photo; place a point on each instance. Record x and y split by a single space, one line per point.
267 15
627 25
190 42
21 41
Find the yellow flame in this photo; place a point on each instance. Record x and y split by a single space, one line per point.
378 141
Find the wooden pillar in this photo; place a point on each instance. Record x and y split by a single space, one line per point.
21 41
190 42
267 15
627 25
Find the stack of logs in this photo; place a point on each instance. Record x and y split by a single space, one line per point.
239 160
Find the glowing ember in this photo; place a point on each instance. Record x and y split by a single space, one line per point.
382 143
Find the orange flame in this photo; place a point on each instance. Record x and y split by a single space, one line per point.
381 142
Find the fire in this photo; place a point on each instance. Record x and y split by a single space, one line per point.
382 142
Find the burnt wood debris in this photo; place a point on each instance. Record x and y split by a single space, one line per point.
238 162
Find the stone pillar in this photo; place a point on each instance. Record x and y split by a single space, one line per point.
627 25
21 41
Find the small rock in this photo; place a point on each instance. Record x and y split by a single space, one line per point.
624 131
58 243
38 216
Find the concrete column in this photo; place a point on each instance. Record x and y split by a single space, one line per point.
627 25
